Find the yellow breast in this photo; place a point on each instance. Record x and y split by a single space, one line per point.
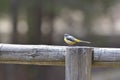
69 42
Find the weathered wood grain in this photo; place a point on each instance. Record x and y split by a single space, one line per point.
106 57
53 55
106 54
78 63
32 54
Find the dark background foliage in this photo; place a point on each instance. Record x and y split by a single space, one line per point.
46 21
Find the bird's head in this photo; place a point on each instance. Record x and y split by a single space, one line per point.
66 35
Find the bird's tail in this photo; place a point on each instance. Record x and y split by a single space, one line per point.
85 41
77 40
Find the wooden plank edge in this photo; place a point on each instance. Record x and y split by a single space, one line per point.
106 64
34 63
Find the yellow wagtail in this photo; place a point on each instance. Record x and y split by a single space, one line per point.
70 40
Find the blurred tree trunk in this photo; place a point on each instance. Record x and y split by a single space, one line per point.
34 14
14 16
51 17
48 37
34 17
10 69
87 23
50 71
51 21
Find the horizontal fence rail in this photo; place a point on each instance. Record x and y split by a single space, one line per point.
54 55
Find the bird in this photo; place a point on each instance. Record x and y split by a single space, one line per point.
70 40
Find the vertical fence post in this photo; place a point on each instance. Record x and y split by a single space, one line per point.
78 63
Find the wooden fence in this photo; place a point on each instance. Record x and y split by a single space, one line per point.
78 60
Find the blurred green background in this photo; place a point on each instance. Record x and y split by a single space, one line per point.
46 21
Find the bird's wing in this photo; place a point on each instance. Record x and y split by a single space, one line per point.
70 38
